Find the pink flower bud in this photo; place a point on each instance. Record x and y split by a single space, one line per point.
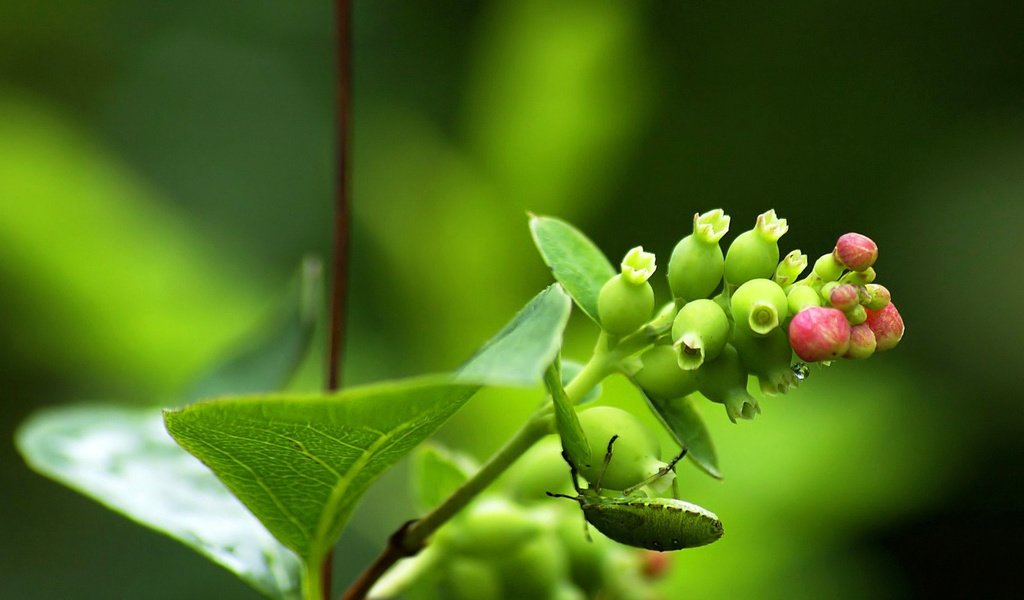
887 326
855 251
862 342
818 333
844 296
877 296
655 565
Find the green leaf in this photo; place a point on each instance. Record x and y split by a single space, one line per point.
270 357
301 462
574 441
575 261
438 471
124 459
519 353
683 421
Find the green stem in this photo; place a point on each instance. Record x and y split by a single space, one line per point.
312 583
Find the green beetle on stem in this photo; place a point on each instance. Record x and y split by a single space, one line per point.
660 524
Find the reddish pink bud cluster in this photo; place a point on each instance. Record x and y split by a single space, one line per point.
858 318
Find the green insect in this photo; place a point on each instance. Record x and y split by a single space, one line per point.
660 524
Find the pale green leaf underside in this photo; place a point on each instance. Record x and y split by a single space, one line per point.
124 459
519 353
437 472
684 422
301 462
575 261
574 440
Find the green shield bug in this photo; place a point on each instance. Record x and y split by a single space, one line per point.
660 524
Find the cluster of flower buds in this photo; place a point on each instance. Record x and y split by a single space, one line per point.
745 312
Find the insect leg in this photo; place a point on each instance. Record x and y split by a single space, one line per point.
607 460
661 473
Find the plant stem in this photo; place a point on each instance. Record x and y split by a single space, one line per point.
311 580
339 286
412 537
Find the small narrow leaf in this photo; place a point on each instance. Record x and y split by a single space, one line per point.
575 261
519 353
124 459
301 462
268 359
438 471
574 441
684 422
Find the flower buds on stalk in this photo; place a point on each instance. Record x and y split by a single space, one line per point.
856 315
790 268
876 296
827 268
860 277
801 297
724 380
819 334
754 254
759 305
842 296
769 357
887 326
661 378
626 301
855 251
699 331
696 266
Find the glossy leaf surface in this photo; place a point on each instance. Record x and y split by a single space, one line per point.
575 261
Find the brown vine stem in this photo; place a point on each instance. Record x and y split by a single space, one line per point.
339 285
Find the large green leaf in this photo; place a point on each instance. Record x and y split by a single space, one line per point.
574 440
683 421
267 360
124 459
519 353
300 462
575 261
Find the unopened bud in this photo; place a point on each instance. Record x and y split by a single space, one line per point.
724 380
887 325
876 296
754 254
818 334
862 342
856 315
792 265
860 277
827 268
801 297
855 251
700 331
759 305
844 297
660 376
638 266
697 263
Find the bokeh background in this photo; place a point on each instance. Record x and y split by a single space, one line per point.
164 166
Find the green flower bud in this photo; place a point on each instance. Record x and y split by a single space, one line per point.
754 254
586 557
696 266
876 296
490 527
470 579
862 342
724 380
801 297
622 306
759 305
534 570
790 268
660 376
540 470
700 331
634 454
638 266
769 357
827 268
856 315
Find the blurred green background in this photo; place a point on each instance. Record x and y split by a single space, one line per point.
164 166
